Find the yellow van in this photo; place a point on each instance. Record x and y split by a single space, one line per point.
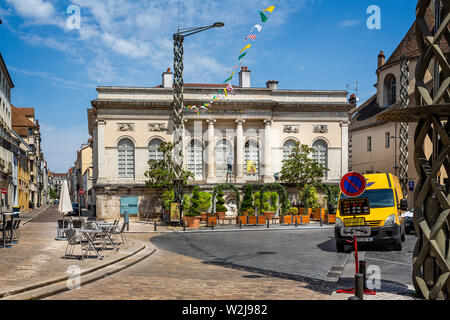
384 215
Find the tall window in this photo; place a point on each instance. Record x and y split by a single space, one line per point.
223 150
287 149
388 140
390 90
154 153
320 154
195 158
369 144
126 158
251 157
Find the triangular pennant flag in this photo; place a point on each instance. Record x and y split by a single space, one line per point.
240 57
226 93
245 48
252 37
257 27
263 17
270 9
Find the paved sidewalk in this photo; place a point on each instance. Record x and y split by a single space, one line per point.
38 256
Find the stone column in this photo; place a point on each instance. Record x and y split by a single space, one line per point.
240 151
211 176
101 152
344 148
267 165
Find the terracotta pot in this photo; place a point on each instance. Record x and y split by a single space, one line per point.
193 222
220 215
269 214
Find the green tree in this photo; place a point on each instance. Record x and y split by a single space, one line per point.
220 202
205 201
310 197
162 173
53 194
247 201
300 169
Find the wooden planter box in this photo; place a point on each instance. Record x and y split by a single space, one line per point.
253 220
300 219
211 221
330 218
241 219
319 213
192 222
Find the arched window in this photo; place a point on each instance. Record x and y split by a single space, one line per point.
251 159
153 147
390 90
287 148
224 150
320 154
195 158
126 158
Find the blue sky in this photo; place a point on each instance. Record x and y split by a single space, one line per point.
306 44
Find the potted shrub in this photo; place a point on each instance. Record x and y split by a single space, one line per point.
205 204
220 208
330 218
193 210
271 210
247 201
289 217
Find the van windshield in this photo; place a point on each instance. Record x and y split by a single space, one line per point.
380 198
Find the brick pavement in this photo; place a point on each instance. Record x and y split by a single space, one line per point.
171 276
37 255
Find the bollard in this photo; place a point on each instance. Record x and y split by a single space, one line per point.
362 270
281 220
212 225
268 224
359 286
126 219
240 224
295 222
184 226
154 226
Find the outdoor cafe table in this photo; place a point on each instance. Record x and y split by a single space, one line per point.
107 228
87 234
4 214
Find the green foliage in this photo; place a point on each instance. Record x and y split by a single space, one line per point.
300 169
222 187
282 194
194 209
310 198
186 203
53 194
220 202
251 212
293 211
274 201
162 173
167 198
205 201
247 202
332 198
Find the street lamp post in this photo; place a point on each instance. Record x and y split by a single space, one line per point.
178 125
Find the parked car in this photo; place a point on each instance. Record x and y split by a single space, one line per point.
56 202
409 221
75 208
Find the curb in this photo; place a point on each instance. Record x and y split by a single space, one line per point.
233 230
138 252
31 219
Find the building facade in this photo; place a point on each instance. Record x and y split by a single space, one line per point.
253 130
375 144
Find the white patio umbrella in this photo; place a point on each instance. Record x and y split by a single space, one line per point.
65 205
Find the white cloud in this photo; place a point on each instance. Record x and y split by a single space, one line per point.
35 9
349 23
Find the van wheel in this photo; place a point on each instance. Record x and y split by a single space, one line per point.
340 247
398 246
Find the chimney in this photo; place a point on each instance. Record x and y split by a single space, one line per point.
167 79
272 84
244 78
381 59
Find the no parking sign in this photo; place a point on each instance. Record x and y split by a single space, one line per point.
353 184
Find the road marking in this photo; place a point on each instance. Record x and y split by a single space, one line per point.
403 264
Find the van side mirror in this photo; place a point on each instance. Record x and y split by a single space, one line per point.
404 205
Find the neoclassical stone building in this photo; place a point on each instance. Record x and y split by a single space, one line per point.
254 130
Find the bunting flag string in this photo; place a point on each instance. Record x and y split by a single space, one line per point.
224 93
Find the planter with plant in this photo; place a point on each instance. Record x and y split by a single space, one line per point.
221 210
205 205
247 201
270 210
193 210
